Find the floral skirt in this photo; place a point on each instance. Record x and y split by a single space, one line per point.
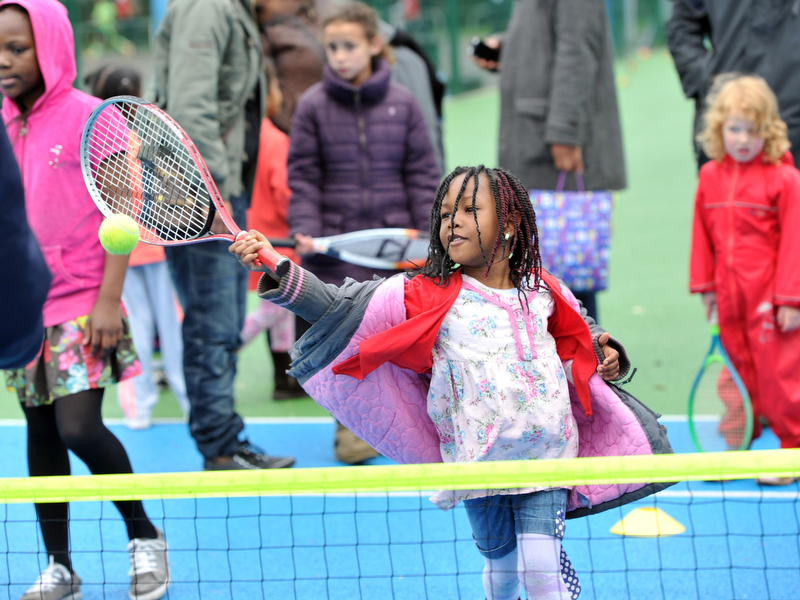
65 366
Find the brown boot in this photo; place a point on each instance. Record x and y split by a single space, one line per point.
286 386
351 449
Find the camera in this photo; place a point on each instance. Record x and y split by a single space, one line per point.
481 50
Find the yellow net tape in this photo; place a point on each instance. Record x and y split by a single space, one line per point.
405 478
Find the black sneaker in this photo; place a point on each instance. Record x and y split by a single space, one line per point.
249 457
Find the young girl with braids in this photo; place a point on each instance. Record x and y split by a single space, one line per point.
472 357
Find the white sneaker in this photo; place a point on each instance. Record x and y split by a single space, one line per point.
55 583
138 423
149 571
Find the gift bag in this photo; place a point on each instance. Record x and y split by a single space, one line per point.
574 234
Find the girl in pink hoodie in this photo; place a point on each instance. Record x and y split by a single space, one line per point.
87 345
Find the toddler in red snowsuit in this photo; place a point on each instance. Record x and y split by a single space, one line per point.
745 257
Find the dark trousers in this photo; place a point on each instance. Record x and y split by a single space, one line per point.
212 288
589 301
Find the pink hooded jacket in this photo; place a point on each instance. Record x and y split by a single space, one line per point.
47 145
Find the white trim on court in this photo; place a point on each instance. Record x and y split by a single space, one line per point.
731 495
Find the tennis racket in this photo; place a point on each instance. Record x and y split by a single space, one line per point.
136 160
718 390
389 248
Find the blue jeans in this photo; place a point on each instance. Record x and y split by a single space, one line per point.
212 288
496 520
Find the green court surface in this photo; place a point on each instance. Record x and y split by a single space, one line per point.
647 306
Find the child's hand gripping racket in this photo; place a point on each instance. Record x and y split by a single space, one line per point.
718 390
136 160
388 248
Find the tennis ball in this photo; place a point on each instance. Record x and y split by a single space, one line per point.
119 234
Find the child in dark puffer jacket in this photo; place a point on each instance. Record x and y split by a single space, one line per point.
360 157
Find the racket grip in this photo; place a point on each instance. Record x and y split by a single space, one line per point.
282 242
277 263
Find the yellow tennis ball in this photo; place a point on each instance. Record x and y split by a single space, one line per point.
119 234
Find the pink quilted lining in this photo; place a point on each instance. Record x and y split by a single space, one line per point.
613 431
388 408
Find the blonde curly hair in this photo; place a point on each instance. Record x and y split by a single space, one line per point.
752 98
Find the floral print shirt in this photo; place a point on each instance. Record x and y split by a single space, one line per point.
498 388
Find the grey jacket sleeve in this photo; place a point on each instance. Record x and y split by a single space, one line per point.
686 31
579 25
299 291
596 331
199 38
335 314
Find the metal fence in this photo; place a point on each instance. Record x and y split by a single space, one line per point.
120 30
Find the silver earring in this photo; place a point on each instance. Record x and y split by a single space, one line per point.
508 235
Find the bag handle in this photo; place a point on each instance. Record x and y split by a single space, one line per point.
562 180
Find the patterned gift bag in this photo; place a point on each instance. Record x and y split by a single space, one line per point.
575 234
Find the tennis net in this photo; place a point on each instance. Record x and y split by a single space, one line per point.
371 532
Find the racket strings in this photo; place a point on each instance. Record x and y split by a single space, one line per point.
717 394
142 169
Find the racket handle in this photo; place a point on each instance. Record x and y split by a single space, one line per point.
277 263
282 242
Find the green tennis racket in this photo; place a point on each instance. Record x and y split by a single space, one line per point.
720 413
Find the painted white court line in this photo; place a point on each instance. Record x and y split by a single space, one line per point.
731 495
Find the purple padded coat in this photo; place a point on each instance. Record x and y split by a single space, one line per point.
360 158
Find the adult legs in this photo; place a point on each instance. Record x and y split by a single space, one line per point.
589 301
212 288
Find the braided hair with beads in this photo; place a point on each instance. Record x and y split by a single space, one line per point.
510 199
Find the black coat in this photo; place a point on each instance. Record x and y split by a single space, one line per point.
748 37
26 279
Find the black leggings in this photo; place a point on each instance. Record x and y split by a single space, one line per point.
75 423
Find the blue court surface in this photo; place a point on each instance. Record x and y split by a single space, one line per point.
741 540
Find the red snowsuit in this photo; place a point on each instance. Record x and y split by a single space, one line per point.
746 248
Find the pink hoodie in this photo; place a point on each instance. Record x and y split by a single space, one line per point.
47 146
